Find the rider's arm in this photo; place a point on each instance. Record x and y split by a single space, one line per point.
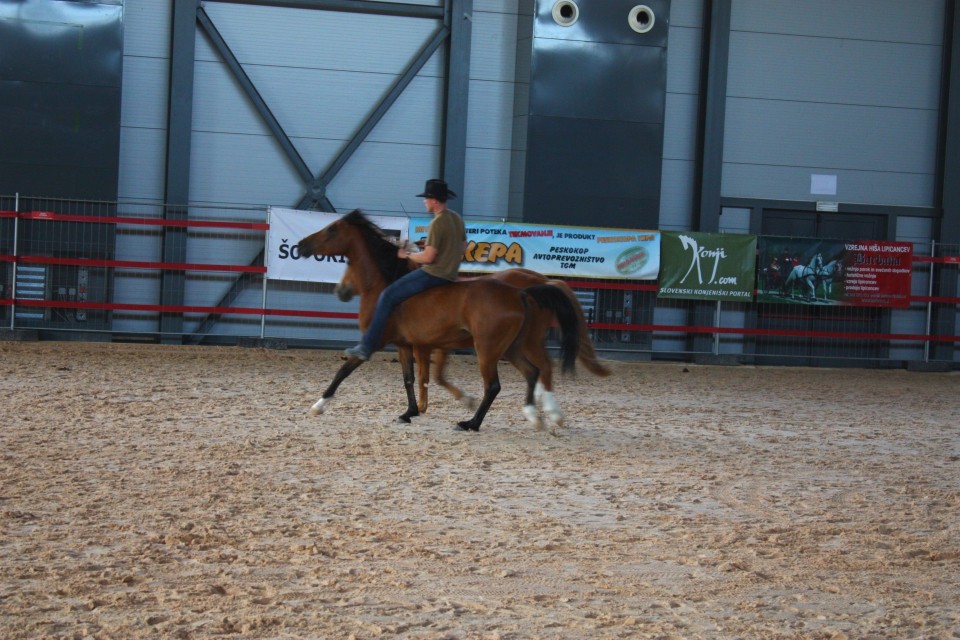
427 256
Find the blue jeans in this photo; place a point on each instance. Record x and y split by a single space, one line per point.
401 289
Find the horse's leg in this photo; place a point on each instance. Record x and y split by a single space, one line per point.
406 363
549 403
439 373
533 347
422 355
491 387
536 353
530 373
342 373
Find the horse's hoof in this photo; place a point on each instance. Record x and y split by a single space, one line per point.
404 419
469 403
319 407
532 416
466 426
552 409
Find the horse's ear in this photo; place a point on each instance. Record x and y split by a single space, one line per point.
354 217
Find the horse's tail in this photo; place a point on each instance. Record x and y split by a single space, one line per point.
556 302
586 353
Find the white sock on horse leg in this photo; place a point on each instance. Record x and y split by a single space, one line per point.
531 413
319 407
552 409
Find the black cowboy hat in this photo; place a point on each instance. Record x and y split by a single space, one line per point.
438 190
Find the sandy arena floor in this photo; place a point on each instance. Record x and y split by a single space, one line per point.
183 492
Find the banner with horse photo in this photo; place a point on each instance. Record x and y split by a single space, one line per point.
707 266
834 272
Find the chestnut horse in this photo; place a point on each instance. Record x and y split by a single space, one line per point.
497 320
515 277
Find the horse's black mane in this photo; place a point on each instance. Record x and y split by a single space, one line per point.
383 251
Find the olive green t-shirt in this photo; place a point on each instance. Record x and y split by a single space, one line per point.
447 235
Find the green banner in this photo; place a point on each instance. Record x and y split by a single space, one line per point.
707 266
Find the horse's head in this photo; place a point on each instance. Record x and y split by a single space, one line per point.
335 239
346 288
364 244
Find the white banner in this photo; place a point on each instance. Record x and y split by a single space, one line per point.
555 250
289 226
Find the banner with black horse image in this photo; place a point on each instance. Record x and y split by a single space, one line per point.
707 266
834 272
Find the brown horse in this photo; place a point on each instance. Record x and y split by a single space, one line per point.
497 320
516 277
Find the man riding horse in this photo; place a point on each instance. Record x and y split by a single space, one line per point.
440 260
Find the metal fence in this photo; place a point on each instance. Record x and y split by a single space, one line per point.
102 271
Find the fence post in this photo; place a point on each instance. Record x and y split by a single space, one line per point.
926 343
263 296
716 332
13 280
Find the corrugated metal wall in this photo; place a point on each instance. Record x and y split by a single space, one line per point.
594 113
490 120
815 86
143 114
680 120
60 89
320 73
840 88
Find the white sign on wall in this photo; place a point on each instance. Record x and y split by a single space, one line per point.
823 184
289 226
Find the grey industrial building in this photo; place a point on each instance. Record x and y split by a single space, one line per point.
706 115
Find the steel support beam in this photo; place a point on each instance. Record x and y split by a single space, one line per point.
315 196
950 129
454 144
254 96
319 186
457 15
177 167
353 6
455 29
946 285
714 60
232 295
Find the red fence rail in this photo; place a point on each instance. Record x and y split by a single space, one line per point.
596 288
